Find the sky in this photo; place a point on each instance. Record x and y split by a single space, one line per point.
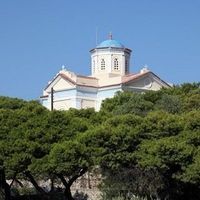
37 37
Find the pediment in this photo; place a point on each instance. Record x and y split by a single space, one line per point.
60 83
149 81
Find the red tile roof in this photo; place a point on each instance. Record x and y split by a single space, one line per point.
125 79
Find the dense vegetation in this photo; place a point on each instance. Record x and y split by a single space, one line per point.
145 144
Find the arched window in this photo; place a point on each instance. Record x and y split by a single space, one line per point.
116 64
103 64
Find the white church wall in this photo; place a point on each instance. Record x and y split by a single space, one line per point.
87 81
86 103
139 83
105 80
155 86
78 103
62 100
64 93
63 85
108 54
108 92
149 82
86 98
107 64
46 103
87 94
83 102
74 102
121 64
64 104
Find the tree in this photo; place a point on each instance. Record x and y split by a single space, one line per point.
145 144
11 103
173 157
127 103
65 158
69 161
8 122
169 103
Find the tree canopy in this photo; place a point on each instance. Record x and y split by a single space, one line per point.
145 144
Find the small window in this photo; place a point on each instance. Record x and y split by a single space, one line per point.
116 64
103 65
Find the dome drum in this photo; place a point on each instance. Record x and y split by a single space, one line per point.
110 57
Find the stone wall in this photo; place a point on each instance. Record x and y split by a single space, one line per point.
88 185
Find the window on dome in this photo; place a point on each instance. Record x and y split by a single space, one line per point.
103 64
116 64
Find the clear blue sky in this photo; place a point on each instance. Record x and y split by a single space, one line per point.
37 37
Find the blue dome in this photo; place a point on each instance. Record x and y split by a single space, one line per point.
110 43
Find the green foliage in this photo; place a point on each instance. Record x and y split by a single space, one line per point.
178 99
11 103
167 144
69 157
146 144
192 120
169 103
127 102
109 105
161 124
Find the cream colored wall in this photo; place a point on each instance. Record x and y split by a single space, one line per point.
108 79
121 64
155 86
85 103
139 83
109 56
87 81
63 104
147 83
63 85
59 84
108 63
45 93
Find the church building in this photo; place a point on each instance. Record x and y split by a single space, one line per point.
110 72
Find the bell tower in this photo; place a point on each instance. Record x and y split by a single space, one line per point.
110 57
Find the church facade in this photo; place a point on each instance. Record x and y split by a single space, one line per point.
110 64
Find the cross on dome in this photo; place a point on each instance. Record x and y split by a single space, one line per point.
110 43
110 36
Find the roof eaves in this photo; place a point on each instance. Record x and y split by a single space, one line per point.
51 81
135 77
161 80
